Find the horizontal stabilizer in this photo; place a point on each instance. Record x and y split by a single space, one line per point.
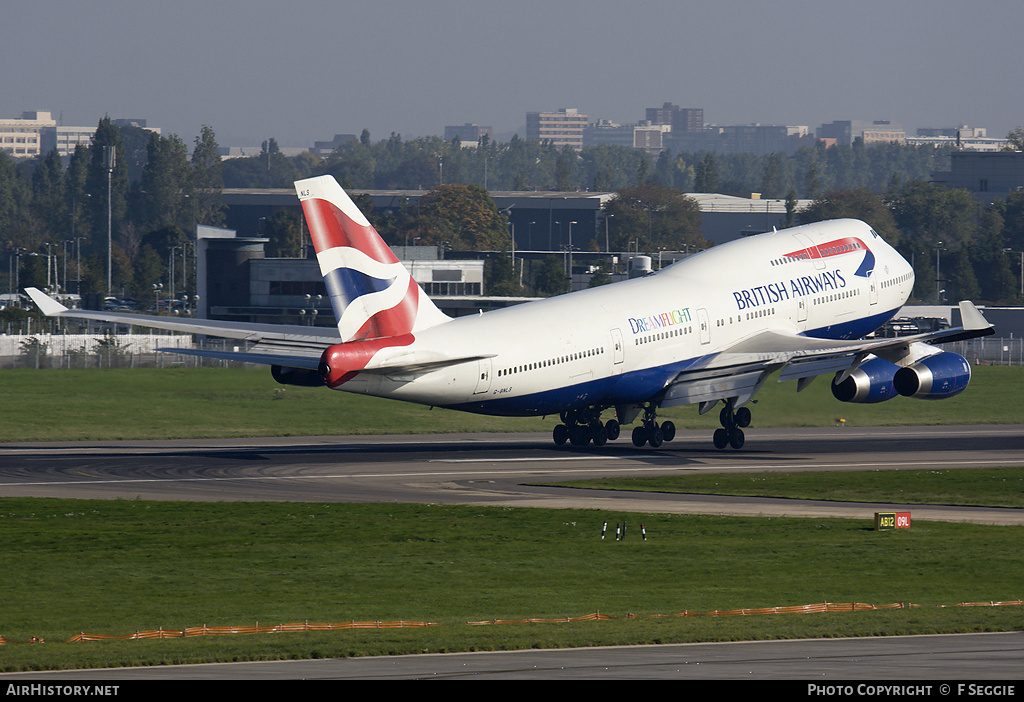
267 359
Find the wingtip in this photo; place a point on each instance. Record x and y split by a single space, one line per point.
971 317
45 303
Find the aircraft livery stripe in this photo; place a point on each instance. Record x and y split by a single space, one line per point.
329 228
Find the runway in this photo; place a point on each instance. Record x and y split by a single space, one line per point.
501 469
967 659
506 470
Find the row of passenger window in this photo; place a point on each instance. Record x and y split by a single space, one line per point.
852 292
558 360
747 316
679 331
896 281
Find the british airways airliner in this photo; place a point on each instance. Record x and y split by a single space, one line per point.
707 330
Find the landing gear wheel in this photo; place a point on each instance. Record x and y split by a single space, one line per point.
726 417
611 429
598 434
655 436
668 429
579 435
731 433
639 436
743 417
560 434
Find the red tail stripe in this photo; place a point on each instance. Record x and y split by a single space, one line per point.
394 321
330 228
816 251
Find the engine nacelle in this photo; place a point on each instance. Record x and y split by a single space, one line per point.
934 378
872 381
302 377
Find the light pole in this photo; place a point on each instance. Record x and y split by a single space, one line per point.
109 159
938 271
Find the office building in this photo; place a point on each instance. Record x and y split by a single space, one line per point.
20 137
562 128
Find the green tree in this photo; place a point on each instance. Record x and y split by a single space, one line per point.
550 278
1013 220
166 185
936 224
48 194
1016 139
996 281
284 229
207 181
106 186
858 203
707 175
657 216
501 276
465 216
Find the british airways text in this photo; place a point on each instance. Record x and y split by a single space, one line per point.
798 287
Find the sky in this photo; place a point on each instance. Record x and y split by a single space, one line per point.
304 70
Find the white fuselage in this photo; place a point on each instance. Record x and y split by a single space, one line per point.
623 343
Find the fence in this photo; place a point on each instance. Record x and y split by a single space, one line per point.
106 350
990 351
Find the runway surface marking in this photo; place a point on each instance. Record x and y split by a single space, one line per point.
551 458
442 474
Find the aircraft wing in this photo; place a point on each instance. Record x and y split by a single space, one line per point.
211 327
739 371
274 344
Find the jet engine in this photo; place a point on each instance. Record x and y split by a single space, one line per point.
934 378
302 377
872 381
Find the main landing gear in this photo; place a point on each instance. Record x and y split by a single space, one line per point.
733 422
650 432
581 427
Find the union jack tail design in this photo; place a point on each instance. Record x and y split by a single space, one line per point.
371 292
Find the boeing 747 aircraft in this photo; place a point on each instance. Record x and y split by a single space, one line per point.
707 330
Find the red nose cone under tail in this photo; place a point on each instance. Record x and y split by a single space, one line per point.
342 362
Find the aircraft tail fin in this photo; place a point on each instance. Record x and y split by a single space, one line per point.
371 292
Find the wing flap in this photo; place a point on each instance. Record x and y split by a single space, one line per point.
737 383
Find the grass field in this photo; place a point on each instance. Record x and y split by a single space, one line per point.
113 567
982 487
212 402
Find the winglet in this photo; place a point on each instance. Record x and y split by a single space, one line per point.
46 304
971 318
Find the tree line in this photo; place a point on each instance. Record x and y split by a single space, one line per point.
54 216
